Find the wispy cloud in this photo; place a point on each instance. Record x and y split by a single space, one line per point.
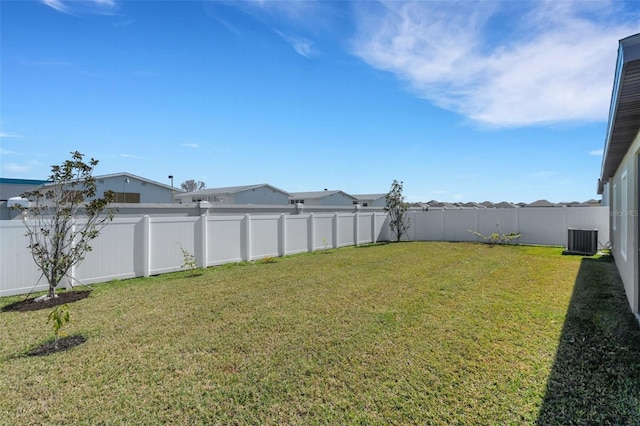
132 156
73 7
303 46
190 145
9 135
20 168
597 152
6 151
550 62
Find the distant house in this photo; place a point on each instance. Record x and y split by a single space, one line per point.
132 189
261 194
618 181
10 188
371 200
505 205
323 198
474 205
541 203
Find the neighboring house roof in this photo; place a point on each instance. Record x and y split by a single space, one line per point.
505 205
369 196
474 204
624 112
316 195
131 176
487 204
10 181
541 203
232 190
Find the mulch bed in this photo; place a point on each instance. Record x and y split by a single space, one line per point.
31 305
63 344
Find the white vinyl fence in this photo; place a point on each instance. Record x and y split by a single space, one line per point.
537 225
142 246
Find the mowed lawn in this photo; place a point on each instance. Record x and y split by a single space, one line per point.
406 333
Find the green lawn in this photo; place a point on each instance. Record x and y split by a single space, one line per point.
407 333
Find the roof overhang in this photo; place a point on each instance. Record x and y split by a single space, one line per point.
624 112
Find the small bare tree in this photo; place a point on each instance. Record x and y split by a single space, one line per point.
192 185
397 208
57 240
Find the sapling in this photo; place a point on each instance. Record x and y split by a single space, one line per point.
397 207
189 261
59 316
498 237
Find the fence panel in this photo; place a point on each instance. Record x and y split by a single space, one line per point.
457 224
116 253
167 236
590 219
19 273
504 221
365 233
224 239
543 225
323 231
427 225
264 236
297 236
345 230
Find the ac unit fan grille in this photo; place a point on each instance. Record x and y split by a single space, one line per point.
582 241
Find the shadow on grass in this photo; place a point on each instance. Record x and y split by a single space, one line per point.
595 378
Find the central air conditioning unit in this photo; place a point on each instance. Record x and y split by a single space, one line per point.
582 241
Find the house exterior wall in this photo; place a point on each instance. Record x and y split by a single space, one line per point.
378 202
16 187
149 193
263 195
623 189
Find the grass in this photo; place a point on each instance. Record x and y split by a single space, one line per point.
408 333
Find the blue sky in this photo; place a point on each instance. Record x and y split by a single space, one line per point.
463 101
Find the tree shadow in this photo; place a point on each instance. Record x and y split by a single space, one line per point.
595 378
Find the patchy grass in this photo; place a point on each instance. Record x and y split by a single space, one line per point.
408 333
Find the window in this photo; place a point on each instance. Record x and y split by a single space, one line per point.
296 202
126 197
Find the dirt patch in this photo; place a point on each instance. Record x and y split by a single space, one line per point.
31 305
63 344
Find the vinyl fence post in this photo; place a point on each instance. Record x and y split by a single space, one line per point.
311 232
336 229
373 228
146 245
282 235
356 228
246 252
202 230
